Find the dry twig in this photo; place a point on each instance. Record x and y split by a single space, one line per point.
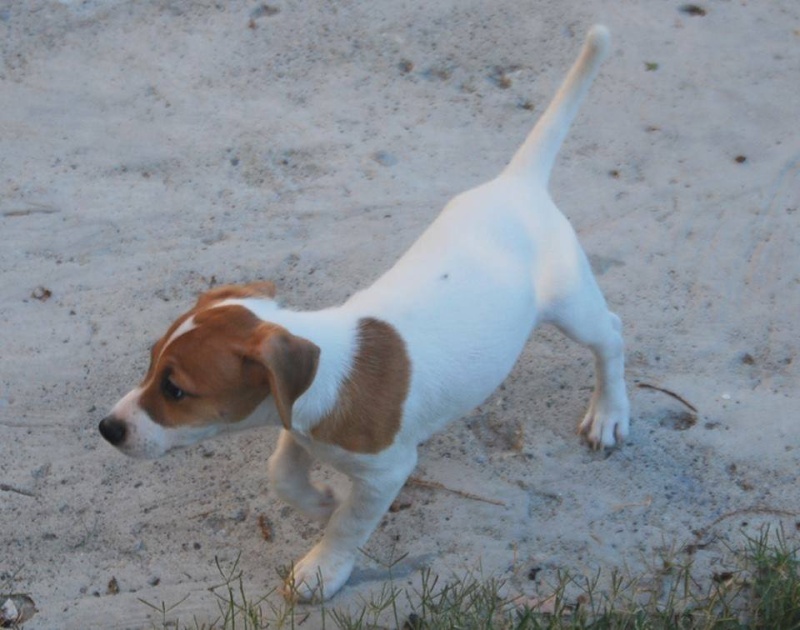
7 488
435 485
677 397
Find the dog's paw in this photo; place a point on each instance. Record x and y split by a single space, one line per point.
319 575
606 423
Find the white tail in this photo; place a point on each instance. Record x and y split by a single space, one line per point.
536 156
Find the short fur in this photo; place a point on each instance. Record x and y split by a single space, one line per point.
359 386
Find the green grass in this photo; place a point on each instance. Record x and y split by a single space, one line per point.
759 590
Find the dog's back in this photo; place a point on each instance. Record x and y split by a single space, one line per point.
468 292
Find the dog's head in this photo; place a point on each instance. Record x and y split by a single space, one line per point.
211 371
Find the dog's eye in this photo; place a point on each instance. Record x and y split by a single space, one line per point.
171 390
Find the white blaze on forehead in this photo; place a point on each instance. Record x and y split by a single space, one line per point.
187 325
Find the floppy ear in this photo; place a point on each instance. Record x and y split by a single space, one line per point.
263 289
291 364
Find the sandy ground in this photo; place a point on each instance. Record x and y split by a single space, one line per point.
151 149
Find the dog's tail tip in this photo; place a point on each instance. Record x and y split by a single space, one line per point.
538 152
599 39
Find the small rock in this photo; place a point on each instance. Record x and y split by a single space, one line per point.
42 471
264 10
405 66
499 76
41 293
16 609
384 158
239 515
693 9
138 546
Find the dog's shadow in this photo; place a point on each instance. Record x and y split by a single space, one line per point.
380 572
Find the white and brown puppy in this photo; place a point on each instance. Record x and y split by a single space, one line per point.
360 385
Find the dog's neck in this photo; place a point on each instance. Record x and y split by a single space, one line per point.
334 331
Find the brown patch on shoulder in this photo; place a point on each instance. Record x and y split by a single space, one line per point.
370 406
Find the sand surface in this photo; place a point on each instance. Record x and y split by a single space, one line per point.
149 150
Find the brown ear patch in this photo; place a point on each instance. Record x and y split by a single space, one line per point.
370 405
291 364
264 289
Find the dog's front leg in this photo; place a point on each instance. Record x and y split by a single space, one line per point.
288 473
325 569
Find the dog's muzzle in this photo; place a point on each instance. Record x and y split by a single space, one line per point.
113 430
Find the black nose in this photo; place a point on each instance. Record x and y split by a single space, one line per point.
113 430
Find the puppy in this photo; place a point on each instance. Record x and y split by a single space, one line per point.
360 385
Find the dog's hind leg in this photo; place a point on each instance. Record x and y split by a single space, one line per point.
584 317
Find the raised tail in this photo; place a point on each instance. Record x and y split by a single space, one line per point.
536 156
